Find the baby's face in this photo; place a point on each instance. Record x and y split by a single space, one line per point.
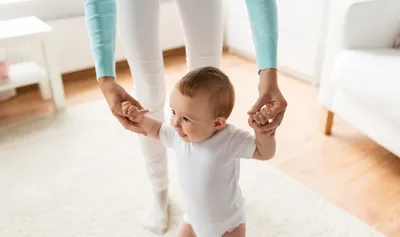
192 117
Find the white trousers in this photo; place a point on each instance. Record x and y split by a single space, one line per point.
138 27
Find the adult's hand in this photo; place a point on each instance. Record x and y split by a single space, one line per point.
271 97
115 95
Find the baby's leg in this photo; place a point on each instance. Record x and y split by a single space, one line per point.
239 231
185 230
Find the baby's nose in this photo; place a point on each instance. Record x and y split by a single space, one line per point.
175 122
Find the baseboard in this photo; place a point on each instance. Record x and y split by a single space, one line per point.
123 64
120 65
282 69
90 72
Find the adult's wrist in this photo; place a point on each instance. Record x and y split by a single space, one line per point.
268 72
269 75
106 82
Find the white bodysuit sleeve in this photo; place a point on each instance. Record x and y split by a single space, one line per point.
242 143
168 136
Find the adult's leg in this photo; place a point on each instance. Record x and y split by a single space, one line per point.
138 27
202 22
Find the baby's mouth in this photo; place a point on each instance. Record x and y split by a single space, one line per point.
181 134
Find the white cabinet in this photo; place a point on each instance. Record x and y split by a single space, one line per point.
32 29
300 23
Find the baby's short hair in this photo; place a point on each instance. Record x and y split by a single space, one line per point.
213 81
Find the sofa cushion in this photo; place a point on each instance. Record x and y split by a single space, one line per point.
373 76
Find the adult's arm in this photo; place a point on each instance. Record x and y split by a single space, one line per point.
101 23
263 18
263 15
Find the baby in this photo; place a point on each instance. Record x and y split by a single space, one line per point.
208 151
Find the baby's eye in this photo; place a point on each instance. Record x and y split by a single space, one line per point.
173 111
185 119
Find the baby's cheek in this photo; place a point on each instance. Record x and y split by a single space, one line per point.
190 129
202 132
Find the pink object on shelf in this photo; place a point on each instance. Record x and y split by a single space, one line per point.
8 94
3 70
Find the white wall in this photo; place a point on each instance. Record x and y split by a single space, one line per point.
301 35
44 9
79 56
66 17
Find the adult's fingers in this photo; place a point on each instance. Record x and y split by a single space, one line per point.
257 106
116 109
126 103
277 108
133 101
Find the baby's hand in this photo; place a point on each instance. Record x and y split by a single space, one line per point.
259 119
132 112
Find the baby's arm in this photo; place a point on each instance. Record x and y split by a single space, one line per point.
150 126
265 143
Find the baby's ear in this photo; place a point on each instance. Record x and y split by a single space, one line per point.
219 123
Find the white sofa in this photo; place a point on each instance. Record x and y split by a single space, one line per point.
360 79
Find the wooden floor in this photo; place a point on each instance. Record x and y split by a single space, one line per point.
347 168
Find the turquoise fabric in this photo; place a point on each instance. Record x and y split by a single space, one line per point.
101 23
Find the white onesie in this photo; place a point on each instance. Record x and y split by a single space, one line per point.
209 175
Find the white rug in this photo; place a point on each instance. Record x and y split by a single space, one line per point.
79 174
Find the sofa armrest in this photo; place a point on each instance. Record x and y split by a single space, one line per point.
371 24
354 24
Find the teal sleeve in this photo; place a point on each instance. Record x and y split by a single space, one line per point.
101 23
263 16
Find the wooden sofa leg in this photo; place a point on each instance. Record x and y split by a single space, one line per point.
327 121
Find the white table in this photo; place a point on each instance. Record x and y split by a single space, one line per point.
32 29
